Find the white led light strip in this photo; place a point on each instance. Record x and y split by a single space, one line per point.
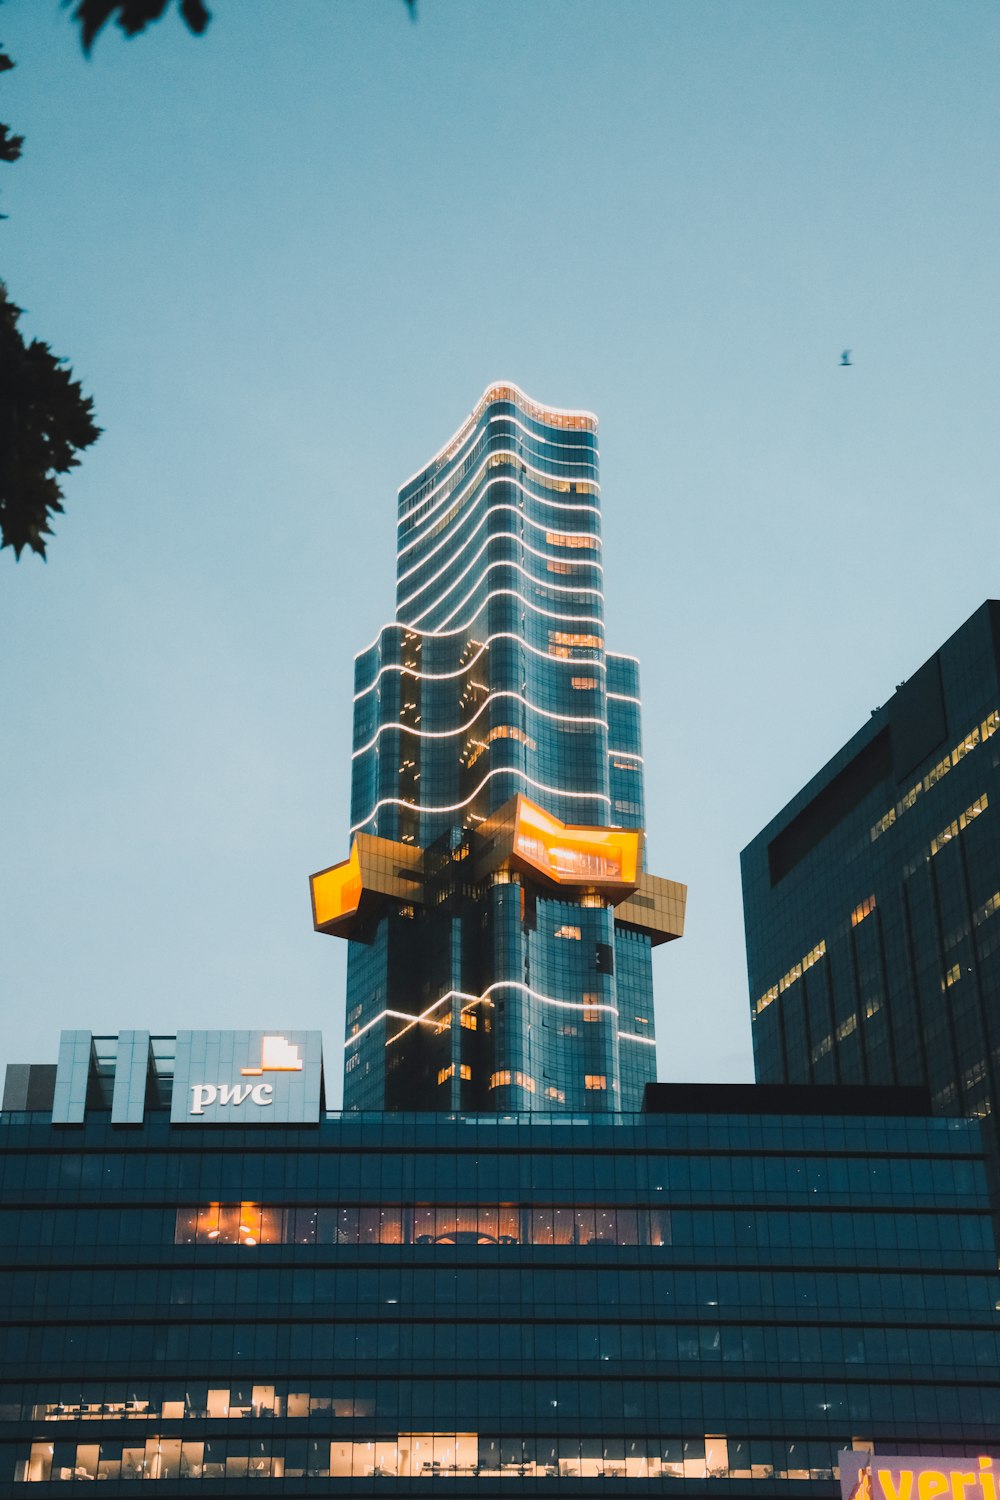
460 496
498 536
501 984
499 635
540 437
461 491
419 807
631 1036
515 510
537 609
444 734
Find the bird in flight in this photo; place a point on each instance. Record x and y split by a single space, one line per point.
845 358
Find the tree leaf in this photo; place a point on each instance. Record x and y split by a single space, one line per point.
45 420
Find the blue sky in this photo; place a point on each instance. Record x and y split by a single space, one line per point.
287 257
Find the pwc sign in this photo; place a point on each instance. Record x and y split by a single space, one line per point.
897 1476
248 1078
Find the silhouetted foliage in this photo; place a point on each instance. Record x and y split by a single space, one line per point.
10 145
45 419
133 16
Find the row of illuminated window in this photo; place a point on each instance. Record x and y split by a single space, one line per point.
976 736
541 480
592 1082
862 910
464 1072
958 824
255 1224
428 1455
795 972
574 638
574 540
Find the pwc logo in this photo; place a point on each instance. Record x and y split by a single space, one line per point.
278 1055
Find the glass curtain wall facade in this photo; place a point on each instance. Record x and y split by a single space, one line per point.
872 900
583 1303
499 937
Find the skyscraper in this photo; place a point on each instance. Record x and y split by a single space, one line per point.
872 899
496 902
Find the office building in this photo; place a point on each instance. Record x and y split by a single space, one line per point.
872 899
496 901
209 1281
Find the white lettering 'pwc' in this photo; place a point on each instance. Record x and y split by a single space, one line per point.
204 1094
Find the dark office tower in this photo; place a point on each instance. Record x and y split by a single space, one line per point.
873 899
210 1286
499 915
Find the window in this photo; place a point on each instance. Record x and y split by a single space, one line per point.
795 972
595 1081
561 641
567 932
863 910
499 732
505 1077
570 539
582 684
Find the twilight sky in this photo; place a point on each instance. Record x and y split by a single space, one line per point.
287 257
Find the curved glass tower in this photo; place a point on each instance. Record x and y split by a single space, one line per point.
495 899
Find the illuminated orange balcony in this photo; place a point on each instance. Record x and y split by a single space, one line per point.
574 855
375 869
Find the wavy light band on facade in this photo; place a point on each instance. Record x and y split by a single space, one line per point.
579 506
497 593
453 508
491 568
500 635
495 510
426 1017
446 734
424 807
501 536
453 499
